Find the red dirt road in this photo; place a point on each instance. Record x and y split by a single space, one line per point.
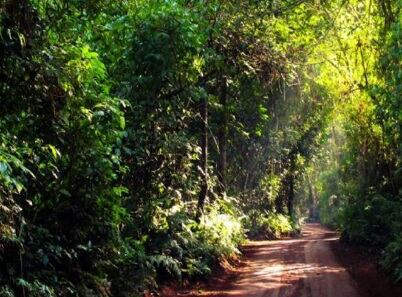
302 267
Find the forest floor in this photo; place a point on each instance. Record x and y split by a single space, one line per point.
313 265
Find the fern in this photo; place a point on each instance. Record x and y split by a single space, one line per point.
392 259
167 263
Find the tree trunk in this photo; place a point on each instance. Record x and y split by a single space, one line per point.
222 138
291 194
204 153
311 200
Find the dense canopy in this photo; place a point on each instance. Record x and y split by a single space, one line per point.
141 141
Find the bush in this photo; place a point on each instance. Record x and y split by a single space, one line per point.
392 259
375 223
269 225
181 247
369 222
204 244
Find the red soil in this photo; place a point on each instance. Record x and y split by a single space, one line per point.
314 265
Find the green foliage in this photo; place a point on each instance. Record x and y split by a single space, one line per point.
359 188
392 259
59 130
180 247
5 291
100 135
363 231
188 248
269 225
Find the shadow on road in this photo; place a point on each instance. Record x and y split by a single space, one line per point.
303 267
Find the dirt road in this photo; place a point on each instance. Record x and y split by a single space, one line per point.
302 267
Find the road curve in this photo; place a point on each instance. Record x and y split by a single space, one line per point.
302 267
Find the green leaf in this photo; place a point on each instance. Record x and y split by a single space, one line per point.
3 167
65 192
55 153
45 260
122 122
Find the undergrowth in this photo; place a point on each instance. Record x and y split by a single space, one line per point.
182 247
375 223
269 225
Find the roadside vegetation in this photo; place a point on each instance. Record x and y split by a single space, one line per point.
141 142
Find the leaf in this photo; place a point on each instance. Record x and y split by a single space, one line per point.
18 186
55 153
5 208
23 283
122 122
3 167
45 260
22 39
65 192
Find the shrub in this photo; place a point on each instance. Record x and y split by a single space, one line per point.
180 246
392 259
268 225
